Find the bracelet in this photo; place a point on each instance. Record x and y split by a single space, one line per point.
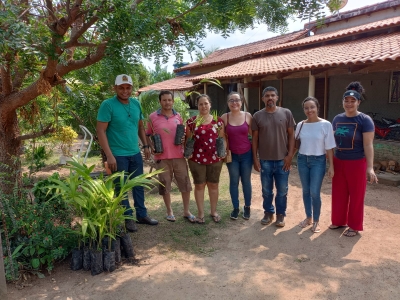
145 146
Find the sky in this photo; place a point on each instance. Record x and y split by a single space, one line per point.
213 41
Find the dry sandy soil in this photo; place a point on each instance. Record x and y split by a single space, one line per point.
252 261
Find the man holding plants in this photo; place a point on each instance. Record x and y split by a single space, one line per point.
273 140
168 125
119 124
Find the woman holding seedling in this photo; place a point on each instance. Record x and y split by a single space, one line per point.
205 162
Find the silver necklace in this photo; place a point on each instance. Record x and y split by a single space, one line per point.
129 108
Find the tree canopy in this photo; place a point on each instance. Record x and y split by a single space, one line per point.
42 41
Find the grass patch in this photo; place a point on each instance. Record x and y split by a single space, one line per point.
171 238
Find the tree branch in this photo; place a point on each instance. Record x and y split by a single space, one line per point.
48 129
79 64
5 74
19 76
80 32
188 11
49 6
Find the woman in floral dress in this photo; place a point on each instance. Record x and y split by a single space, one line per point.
204 164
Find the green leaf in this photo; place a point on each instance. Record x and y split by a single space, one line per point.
35 263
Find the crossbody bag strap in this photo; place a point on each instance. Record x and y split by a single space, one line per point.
226 133
298 134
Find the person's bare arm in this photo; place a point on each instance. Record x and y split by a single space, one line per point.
101 128
223 117
249 119
288 158
254 145
368 138
329 154
143 138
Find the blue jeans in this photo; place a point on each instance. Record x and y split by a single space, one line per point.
240 168
271 170
312 171
133 165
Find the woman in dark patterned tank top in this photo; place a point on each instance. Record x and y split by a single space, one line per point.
352 161
237 128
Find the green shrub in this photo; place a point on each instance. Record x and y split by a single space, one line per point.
35 157
39 232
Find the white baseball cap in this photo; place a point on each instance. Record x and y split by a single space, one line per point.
123 79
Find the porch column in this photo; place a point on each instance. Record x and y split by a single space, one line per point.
311 85
246 94
205 87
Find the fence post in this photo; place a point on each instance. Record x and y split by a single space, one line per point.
3 286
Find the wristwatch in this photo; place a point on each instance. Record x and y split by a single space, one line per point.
145 146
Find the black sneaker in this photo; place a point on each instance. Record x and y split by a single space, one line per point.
235 213
246 212
130 226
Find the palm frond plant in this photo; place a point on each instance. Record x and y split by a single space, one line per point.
96 203
201 83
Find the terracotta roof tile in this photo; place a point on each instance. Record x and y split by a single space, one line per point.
284 41
234 53
179 83
372 49
369 9
340 33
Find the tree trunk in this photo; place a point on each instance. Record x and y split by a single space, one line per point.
10 164
3 285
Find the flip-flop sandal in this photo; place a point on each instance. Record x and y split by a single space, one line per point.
171 218
216 218
305 223
191 218
200 221
333 227
350 232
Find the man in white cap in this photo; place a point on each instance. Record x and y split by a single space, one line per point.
119 124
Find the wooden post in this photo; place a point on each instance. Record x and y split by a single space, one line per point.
259 94
326 96
246 95
3 285
311 85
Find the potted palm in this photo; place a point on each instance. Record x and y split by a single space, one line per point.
194 122
219 143
99 208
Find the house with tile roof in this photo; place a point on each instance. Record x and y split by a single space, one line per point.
320 60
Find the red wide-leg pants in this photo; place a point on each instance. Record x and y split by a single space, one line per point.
348 192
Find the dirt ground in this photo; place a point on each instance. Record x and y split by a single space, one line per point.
252 261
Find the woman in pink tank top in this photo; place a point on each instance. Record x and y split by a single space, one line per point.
238 130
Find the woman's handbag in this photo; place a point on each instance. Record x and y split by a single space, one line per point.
297 141
228 157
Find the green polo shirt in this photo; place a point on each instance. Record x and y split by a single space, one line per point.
123 120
